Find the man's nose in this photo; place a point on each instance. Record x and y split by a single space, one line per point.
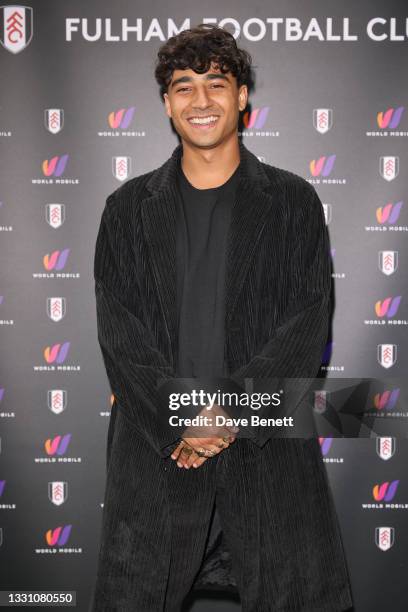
201 98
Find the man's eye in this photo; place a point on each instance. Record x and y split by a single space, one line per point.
187 88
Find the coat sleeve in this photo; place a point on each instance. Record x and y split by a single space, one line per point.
295 348
134 365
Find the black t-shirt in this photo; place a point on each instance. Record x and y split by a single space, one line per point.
202 226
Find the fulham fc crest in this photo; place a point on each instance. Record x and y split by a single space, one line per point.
322 119
56 308
57 492
57 400
55 214
389 167
16 27
54 119
386 354
384 537
388 261
385 448
121 167
320 401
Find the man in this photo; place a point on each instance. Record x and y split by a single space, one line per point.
254 514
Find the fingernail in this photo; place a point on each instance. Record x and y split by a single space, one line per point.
195 465
179 464
173 456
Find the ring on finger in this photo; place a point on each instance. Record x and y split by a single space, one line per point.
187 450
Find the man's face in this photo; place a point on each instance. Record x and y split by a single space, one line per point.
212 97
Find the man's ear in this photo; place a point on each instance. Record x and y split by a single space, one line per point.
243 97
167 104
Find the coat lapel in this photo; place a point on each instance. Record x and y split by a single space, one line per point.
248 216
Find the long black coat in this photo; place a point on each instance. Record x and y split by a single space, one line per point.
282 544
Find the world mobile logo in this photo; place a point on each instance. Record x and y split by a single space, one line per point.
56 451
54 263
57 445
53 169
385 405
55 356
119 123
254 123
383 494
56 540
326 445
121 118
5 505
385 310
387 217
388 307
321 169
390 118
386 400
389 213
388 121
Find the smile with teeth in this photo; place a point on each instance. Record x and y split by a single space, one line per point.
204 121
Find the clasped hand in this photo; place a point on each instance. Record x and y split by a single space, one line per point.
191 450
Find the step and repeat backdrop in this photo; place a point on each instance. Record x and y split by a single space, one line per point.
80 113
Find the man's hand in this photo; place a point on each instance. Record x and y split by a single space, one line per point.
216 440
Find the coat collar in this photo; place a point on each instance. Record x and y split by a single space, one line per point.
249 213
165 176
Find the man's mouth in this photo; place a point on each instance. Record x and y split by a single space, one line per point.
203 122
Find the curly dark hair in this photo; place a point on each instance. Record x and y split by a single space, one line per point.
197 48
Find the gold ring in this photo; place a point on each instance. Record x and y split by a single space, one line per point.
187 450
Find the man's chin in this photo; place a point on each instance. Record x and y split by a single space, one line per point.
203 143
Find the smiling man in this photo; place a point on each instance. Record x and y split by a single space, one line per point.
212 265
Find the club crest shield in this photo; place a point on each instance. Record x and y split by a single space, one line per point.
389 167
57 492
57 400
16 27
121 167
322 119
54 119
388 262
387 355
320 401
56 308
55 214
385 447
384 537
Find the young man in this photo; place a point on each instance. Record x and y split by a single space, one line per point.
214 265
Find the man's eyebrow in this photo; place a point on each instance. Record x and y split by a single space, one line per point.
211 75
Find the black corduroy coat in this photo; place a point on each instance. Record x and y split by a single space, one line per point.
281 542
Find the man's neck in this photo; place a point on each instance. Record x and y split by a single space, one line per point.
208 168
